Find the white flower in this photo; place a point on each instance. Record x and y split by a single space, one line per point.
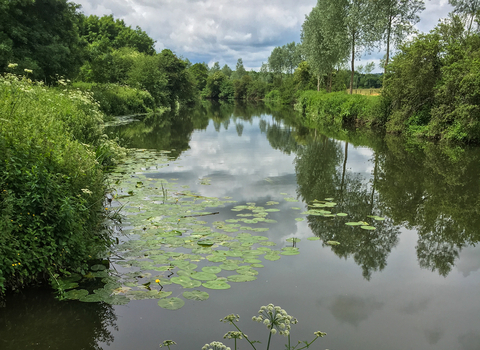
273 331
12 65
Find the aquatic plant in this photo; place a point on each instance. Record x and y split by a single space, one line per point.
274 318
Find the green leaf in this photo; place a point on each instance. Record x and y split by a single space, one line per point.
196 295
171 303
241 278
217 284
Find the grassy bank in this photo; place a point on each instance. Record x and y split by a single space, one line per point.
52 154
336 108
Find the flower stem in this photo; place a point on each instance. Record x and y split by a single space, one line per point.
253 346
269 337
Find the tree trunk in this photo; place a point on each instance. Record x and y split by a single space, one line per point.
353 63
318 82
388 46
330 81
344 171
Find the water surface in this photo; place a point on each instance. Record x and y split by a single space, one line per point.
413 283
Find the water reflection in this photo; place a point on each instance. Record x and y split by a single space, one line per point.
35 319
432 189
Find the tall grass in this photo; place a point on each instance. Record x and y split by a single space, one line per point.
337 108
52 152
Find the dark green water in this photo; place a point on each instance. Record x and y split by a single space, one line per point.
413 283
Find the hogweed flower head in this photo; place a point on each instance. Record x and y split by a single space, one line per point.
319 334
215 345
276 319
230 318
233 335
167 343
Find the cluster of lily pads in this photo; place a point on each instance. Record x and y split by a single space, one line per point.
164 240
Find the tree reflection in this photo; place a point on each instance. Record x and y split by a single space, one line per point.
35 319
427 187
321 168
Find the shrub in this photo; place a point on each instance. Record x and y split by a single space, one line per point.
52 148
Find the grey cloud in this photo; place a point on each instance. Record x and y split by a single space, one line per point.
214 30
353 310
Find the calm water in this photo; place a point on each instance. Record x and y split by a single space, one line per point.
413 283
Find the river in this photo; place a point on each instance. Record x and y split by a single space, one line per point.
384 253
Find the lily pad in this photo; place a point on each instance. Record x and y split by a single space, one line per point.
217 284
313 238
241 278
76 294
370 228
211 269
204 276
171 303
196 295
332 243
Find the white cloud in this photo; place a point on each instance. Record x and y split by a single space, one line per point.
225 30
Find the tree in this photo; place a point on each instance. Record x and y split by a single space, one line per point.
227 71
215 68
469 10
285 58
239 70
116 33
396 20
42 36
200 73
362 28
325 38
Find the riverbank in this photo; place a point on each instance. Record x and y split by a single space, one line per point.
53 153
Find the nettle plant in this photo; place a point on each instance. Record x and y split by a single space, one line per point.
273 317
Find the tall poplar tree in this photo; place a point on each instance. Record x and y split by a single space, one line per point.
469 10
325 38
396 20
362 28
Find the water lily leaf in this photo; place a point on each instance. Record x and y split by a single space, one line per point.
196 295
293 239
313 238
229 266
370 228
299 219
332 242
117 300
216 258
358 223
272 257
203 276
92 298
234 253
241 278
217 284
171 303
76 294
206 243
247 270
342 214
98 267
293 251
211 269
252 261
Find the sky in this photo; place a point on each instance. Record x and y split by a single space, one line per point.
226 30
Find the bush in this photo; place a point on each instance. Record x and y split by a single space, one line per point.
117 100
337 108
52 148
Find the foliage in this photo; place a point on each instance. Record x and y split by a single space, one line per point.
41 36
274 317
321 108
118 100
52 149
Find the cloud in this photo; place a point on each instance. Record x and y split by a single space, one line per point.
225 30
